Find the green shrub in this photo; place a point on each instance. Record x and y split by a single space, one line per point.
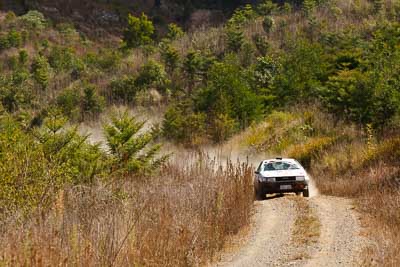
170 56
222 127
152 74
28 180
91 104
228 92
61 58
15 92
34 167
64 146
105 59
308 7
14 38
267 8
41 71
174 32
123 89
349 93
69 103
235 39
4 43
378 6
261 44
139 31
268 23
10 16
242 16
131 152
184 126
266 69
306 152
34 20
195 67
23 57
388 150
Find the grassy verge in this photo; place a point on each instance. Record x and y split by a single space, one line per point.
179 218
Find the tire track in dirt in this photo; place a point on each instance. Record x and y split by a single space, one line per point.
273 242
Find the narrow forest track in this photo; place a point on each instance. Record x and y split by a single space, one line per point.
295 231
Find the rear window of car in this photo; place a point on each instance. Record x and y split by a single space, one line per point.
280 166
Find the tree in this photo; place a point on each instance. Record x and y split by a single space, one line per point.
151 74
268 24
41 71
349 93
132 150
235 39
266 8
378 6
170 56
139 31
92 104
308 7
174 32
228 92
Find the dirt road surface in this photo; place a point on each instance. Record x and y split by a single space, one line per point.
274 239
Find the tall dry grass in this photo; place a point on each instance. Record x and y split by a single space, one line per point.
370 176
180 217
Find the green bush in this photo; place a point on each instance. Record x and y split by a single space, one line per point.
29 181
14 38
228 92
242 16
306 152
268 23
267 8
139 31
34 20
41 71
123 89
91 104
105 59
174 32
131 152
23 57
4 43
261 44
68 101
350 94
36 166
61 58
184 126
222 127
235 39
15 92
151 74
169 56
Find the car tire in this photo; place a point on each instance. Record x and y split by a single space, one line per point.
259 195
306 193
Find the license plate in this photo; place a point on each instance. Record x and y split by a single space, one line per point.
286 187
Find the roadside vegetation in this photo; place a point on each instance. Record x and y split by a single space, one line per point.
314 80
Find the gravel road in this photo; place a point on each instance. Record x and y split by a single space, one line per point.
271 241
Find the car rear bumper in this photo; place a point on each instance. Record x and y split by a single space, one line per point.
282 187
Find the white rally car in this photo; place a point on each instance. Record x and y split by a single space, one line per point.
281 175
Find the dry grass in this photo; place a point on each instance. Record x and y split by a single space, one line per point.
372 178
307 227
181 217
